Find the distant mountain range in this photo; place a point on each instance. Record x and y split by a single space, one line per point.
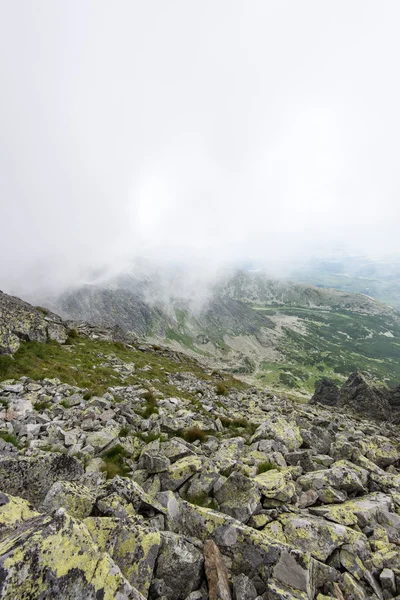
282 334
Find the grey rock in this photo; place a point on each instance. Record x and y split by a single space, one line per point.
179 565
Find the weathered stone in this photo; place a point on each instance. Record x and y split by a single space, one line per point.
21 321
179 472
238 497
179 565
132 546
216 573
55 557
31 477
275 485
359 511
13 512
243 589
76 498
279 429
326 392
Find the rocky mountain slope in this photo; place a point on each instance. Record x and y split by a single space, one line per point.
129 471
285 335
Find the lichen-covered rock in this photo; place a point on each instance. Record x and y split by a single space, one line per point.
314 534
380 451
281 429
31 477
251 552
179 472
132 493
361 511
55 557
276 486
342 475
103 438
179 565
13 512
77 499
22 321
238 497
243 589
133 546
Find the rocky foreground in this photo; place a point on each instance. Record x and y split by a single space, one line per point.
213 493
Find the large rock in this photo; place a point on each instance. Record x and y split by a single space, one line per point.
77 499
31 477
238 497
133 546
21 321
326 392
216 573
179 565
280 429
364 397
313 534
13 512
56 557
251 552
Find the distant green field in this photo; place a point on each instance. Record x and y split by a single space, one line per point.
334 344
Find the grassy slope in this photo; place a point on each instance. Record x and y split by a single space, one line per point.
79 363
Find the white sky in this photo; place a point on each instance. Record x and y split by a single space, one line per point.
215 129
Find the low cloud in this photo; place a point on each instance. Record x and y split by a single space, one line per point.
206 135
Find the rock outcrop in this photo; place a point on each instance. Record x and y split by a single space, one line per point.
360 395
21 321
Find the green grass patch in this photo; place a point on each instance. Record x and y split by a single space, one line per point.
265 466
11 439
114 462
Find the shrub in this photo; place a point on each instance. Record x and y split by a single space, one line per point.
234 423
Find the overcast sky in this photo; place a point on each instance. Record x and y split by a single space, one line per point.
218 129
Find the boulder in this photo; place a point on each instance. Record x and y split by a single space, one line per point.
238 497
364 397
56 557
326 392
21 321
216 573
133 547
77 499
179 565
31 477
280 429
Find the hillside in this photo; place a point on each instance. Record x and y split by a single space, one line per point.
128 471
282 334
